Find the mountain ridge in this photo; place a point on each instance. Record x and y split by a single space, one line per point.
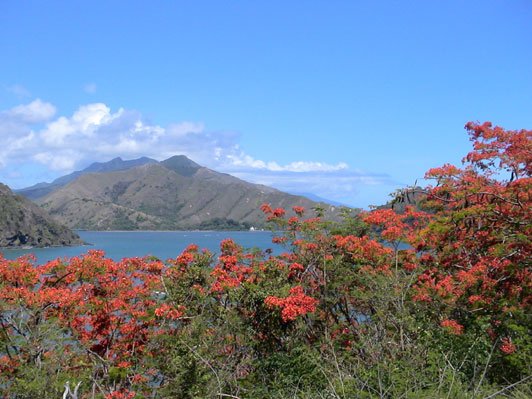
40 190
173 194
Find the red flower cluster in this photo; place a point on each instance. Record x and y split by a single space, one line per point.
299 210
507 346
121 394
294 305
103 306
168 312
272 213
279 212
397 227
230 271
452 326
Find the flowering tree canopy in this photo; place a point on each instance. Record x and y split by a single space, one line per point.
433 301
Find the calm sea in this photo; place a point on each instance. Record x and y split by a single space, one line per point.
162 244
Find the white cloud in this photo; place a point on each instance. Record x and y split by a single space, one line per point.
184 128
35 112
83 123
302 166
95 133
60 162
243 160
21 142
345 185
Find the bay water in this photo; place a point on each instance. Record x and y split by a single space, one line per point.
161 244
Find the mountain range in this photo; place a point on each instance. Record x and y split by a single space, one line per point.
41 189
144 194
22 223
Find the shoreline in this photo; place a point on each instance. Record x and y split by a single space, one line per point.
28 247
172 231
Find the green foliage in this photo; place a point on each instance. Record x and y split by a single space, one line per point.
223 224
122 220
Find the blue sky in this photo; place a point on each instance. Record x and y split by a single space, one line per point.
347 100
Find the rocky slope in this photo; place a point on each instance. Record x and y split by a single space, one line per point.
22 223
173 194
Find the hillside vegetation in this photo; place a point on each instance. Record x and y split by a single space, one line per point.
23 223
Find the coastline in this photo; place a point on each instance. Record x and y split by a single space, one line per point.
28 247
172 231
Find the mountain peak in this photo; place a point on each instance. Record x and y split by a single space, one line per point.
116 164
181 165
